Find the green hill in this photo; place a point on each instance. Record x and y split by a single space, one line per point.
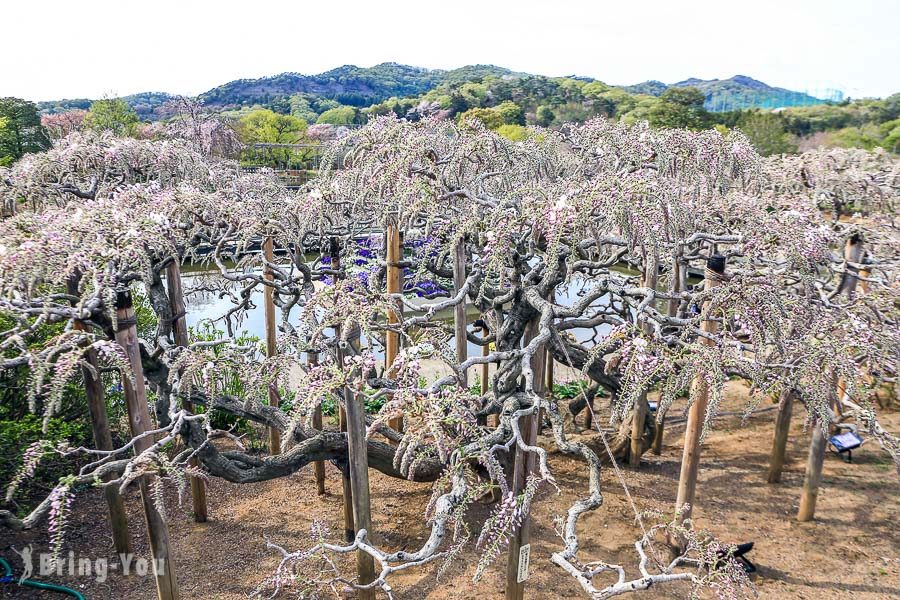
737 93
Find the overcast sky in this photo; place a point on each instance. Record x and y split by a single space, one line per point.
89 48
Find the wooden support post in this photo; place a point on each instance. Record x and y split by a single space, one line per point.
359 481
312 360
179 328
139 420
779 442
394 254
459 311
548 373
853 251
93 389
690 462
481 325
813 478
485 368
271 348
523 466
677 283
641 407
347 490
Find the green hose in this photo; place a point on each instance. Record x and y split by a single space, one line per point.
8 578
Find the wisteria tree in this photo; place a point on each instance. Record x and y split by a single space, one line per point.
584 243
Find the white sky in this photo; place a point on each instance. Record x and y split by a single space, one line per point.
87 48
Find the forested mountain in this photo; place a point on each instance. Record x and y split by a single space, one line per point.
736 93
362 87
350 85
507 101
145 104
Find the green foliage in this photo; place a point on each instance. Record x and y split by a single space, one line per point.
570 389
147 105
505 113
263 126
766 131
20 130
891 132
681 108
372 405
544 115
112 114
19 430
269 127
341 115
302 109
516 133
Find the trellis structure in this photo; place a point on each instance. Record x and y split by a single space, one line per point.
499 226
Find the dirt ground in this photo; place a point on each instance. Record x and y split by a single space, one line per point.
850 551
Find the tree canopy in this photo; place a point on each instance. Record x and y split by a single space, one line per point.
113 115
530 220
21 131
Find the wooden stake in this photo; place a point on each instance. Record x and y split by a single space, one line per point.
359 481
677 283
271 348
139 420
642 408
179 327
853 253
485 351
459 311
312 360
812 479
347 490
93 389
394 254
690 462
523 466
779 442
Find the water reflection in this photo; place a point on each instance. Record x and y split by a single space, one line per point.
205 305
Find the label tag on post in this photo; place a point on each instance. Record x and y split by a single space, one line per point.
524 557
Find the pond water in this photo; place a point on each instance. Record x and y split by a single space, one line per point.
205 306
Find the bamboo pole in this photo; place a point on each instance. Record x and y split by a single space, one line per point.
271 348
641 407
812 478
179 327
690 462
139 420
779 442
347 490
394 254
523 466
93 389
359 482
312 360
